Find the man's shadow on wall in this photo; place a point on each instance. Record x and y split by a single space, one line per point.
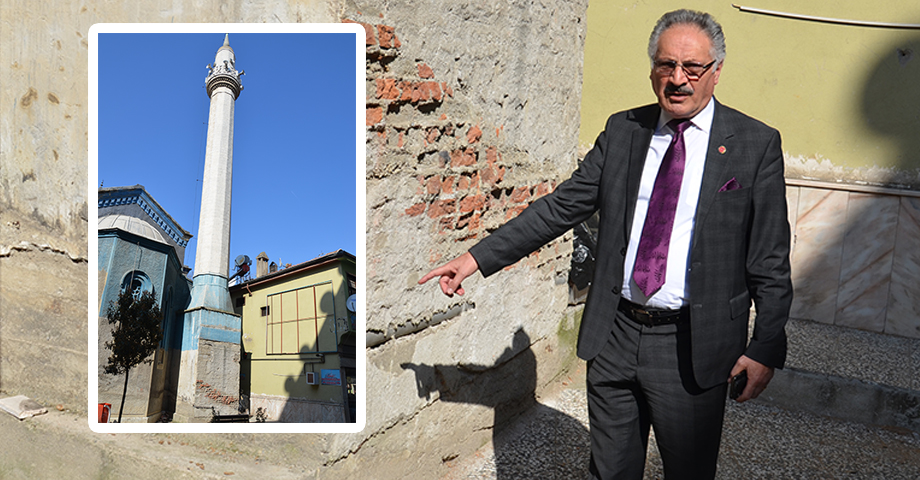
556 444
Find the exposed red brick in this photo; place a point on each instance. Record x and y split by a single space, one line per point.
420 92
449 91
475 222
433 135
492 175
488 175
463 158
447 184
541 189
443 116
434 90
491 155
468 181
406 87
472 202
374 115
416 209
386 88
399 141
449 130
368 31
445 223
434 184
425 71
513 212
474 134
520 194
463 221
442 207
387 37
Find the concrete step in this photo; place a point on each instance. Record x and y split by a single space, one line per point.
759 441
849 374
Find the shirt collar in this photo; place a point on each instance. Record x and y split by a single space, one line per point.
702 120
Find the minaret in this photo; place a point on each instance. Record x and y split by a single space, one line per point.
209 373
212 256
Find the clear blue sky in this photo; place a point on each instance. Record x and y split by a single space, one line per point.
294 143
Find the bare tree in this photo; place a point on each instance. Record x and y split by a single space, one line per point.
135 336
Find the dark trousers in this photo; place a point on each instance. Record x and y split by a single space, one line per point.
643 378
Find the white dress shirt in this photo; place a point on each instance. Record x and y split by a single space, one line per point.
696 141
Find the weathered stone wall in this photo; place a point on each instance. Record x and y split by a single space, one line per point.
43 210
472 113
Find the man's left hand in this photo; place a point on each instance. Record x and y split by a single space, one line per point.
759 375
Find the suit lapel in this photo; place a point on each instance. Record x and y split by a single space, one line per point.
718 156
638 151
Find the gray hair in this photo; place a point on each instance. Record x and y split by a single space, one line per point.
703 21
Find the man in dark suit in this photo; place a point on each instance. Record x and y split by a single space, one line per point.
693 227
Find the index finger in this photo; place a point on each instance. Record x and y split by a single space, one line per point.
434 273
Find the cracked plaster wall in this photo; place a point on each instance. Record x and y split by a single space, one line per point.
487 122
472 114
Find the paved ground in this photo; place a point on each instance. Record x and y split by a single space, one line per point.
550 442
759 442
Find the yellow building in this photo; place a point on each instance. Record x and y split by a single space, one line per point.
838 80
298 361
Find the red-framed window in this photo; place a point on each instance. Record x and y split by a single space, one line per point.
295 319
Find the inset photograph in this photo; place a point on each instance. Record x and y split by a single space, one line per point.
227 246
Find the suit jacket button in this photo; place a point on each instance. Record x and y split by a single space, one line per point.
616 290
623 251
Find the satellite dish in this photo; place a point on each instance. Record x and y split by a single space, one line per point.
242 266
350 303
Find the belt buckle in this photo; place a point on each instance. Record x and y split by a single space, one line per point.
643 317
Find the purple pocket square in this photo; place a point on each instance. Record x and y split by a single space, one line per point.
730 185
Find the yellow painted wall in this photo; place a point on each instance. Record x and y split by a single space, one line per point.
282 375
842 94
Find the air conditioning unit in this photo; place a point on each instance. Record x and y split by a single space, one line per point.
312 378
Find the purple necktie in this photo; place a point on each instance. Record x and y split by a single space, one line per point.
652 255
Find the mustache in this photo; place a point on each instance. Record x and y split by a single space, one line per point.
684 89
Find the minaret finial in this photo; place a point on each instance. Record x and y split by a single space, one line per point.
224 72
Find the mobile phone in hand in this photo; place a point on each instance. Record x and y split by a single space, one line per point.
737 384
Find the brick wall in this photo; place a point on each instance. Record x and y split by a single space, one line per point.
471 116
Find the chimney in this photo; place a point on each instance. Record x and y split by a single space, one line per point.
261 265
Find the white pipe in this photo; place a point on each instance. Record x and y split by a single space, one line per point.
858 23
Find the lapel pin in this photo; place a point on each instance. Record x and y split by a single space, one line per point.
722 149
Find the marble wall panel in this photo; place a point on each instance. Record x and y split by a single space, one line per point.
792 205
865 270
818 240
904 296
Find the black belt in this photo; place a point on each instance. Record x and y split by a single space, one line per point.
651 316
